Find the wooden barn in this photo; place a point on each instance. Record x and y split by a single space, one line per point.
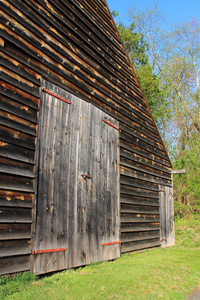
84 175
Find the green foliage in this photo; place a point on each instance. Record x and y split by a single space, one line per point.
18 283
166 64
188 231
137 49
134 44
187 186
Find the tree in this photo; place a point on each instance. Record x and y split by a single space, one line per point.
175 55
167 67
137 48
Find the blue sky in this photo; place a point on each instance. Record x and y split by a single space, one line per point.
174 10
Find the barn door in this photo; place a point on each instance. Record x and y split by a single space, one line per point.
77 211
167 235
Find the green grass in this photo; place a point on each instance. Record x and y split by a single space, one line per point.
170 273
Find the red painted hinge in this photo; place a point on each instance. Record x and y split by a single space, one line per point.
85 176
110 124
111 243
52 94
49 250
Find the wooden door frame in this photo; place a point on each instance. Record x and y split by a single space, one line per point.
34 215
37 158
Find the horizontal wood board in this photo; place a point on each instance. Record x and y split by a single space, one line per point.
19 100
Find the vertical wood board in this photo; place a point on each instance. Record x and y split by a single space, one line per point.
167 234
78 184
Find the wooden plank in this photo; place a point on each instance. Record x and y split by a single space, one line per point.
181 171
137 130
116 98
90 67
94 73
102 190
138 218
127 137
167 235
19 68
129 227
135 157
18 109
16 183
18 81
15 215
16 199
17 138
128 199
100 15
139 236
114 113
138 192
51 226
9 166
103 8
17 123
15 231
87 33
140 209
39 31
93 90
128 172
142 168
144 153
89 13
17 94
14 264
83 185
127 247
162 215
50 261
143 134
134 182
15 247
17 153
171 230
94 238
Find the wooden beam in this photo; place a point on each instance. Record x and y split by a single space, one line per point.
181 171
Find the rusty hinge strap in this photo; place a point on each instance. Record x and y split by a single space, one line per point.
52 94
85 176
163 240
161 190
49 250
110 124
111 243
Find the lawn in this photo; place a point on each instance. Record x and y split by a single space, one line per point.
170 273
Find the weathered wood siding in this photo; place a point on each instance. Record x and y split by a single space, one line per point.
19 100
167 235
75 45
74 213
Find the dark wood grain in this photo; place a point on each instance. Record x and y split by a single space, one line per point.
14 264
